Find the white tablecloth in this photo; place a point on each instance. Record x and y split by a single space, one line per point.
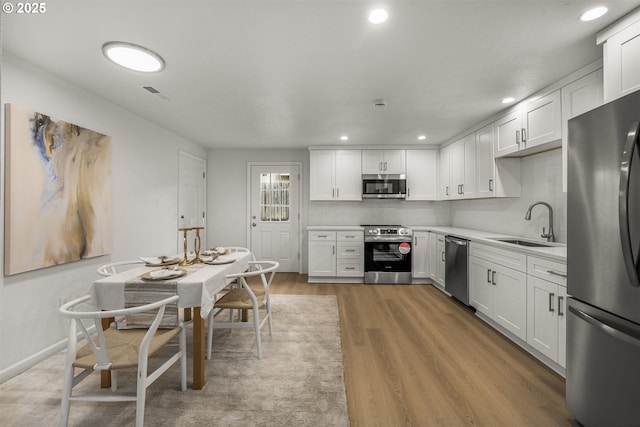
194 289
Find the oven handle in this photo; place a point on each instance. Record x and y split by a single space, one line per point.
387 239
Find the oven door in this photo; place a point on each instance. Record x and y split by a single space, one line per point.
387 262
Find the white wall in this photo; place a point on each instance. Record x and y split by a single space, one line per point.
145 198
541 180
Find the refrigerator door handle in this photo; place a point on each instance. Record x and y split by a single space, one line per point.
604 327
630 263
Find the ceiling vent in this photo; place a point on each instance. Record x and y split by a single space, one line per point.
379 103
155 92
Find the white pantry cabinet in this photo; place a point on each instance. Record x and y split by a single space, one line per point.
335 175
578 97
546 308
420 256
621 54
496 289
422 174
383 161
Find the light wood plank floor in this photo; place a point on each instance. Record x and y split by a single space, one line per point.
414 357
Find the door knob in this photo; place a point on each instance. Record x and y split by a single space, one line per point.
253 223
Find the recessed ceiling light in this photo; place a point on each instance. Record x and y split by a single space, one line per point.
422 137
133 57
508 100
344 138
378 16
594 13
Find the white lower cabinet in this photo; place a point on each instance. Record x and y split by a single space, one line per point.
497 291
336 254
436 258
546 308
420 255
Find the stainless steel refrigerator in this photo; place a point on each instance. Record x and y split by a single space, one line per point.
603 262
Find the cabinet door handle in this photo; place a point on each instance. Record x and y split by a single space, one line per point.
447 190
333 193
442 256
380 166
333 250
518 137
488 276
408 192
524 135
461 188
415 241
551 295
560 300
324 236
555 273
349 250
493 277
349 268
337 193
385 166
490 185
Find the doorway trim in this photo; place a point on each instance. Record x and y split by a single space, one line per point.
179 241
300 192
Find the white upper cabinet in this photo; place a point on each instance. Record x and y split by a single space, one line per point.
507 136
422 174
621 53
383 161
534 127
444 184
578 97
485 163
335 175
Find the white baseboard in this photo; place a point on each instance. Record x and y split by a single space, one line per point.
31 361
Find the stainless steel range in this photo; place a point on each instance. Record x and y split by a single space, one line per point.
387 254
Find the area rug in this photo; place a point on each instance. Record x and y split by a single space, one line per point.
298 382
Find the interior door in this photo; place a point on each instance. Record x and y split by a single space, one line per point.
191 198
275 214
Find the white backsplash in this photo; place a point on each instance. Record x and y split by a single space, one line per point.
379 212
541 181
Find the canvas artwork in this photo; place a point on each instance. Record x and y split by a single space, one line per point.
57 193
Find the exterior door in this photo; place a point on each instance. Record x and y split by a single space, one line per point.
275 216
191 198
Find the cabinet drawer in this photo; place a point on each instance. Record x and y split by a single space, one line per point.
350 250
350 268
552 271
504 257
322 235
350 236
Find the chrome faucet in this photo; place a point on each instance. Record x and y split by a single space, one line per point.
549 236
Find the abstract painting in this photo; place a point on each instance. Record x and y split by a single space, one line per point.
57 192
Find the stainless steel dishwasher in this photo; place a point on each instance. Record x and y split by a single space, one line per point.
456 274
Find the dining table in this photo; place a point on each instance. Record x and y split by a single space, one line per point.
195 289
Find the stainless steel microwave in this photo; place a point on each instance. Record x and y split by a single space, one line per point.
384 186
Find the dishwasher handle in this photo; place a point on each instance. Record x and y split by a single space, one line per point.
458 242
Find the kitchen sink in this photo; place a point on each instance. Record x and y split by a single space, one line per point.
524 243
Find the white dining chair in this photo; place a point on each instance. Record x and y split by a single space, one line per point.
245 297
116 267
116 349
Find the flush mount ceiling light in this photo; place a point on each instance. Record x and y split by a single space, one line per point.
422 137
508 100
133 57
594 13
378 16
344 138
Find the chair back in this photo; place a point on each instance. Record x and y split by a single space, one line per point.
115 267
98 345
265 269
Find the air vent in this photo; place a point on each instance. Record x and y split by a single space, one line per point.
155 92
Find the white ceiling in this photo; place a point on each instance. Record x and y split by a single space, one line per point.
295 73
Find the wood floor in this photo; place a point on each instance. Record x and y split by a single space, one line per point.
414 357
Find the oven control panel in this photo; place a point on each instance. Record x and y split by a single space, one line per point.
387 231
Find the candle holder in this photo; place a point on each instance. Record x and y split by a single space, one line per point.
185 260
196 245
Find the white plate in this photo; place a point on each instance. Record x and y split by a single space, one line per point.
159 262
163 274
221 260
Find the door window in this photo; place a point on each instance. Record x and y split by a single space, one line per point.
274 197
